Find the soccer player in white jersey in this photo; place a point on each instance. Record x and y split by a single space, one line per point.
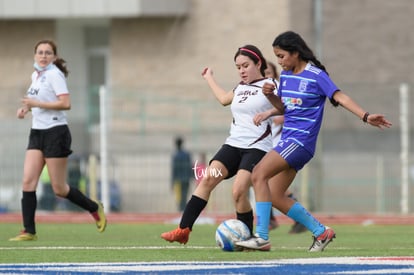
244 147
49 139
304 87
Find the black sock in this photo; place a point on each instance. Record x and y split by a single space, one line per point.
78 198
247 218
191 212
29 204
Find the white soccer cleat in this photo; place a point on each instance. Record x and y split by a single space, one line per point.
320 242
255 243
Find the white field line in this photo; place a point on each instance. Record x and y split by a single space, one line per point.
159 247
392 260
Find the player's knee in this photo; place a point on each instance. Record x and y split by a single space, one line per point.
239 195
60 192
210 181
257 178
29 184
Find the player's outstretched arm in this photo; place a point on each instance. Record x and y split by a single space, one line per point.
223 96
377 120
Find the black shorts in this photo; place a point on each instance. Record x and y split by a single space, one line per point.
235 159
54 142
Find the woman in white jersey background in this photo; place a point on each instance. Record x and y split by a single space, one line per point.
304 87
243 148
50 139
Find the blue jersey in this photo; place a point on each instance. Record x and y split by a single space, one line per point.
304 96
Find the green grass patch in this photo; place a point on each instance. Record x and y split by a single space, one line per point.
142 242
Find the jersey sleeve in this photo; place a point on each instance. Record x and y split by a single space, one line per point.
58 83
327 85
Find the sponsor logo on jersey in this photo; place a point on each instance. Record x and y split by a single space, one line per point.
291 102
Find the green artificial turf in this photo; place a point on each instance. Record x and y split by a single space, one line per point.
80 243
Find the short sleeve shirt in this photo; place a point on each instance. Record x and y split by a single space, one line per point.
46 86
304 96
248 101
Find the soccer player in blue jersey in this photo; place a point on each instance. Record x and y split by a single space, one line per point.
277 123
304 87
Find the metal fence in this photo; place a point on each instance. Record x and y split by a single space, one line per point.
356 170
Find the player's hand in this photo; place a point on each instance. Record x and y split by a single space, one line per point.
29 102
21 112
379 121
259 117
268 89
207 72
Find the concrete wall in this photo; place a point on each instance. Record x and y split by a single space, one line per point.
366 47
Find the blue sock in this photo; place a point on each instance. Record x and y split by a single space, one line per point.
263 219
298 213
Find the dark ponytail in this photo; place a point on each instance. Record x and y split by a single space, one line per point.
61 64
293 42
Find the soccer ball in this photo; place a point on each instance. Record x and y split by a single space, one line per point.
229 232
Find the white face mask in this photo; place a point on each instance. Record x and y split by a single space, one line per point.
40 69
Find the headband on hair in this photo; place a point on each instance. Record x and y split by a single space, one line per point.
252 52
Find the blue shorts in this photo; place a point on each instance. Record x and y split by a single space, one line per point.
294 154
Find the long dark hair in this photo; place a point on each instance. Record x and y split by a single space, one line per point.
254 54
59 62
293 42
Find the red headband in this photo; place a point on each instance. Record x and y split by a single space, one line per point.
252 52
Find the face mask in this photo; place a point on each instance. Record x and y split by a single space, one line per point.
41 69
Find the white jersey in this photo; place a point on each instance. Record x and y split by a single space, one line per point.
46 86
276 133
248 101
